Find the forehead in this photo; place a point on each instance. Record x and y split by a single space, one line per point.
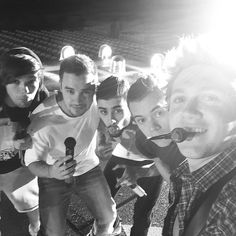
200 78
111 103
145 106
28 75
77 82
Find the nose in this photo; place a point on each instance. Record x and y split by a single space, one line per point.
154 125
24 88
191 110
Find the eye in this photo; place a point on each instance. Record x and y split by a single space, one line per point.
103 112
139 120
16 82
157 113
118 111
210 98
177 99
88 92
70 91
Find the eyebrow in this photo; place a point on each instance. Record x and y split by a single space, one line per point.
153 109
176 91
66 87
118 106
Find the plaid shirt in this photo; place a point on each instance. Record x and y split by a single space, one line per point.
186 188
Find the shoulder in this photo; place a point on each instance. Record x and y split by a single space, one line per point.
222 217
47 103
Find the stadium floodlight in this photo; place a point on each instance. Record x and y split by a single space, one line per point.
67 51
118 65
104 54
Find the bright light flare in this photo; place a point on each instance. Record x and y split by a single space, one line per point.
67 51
105 51
104 54
156 61
118 65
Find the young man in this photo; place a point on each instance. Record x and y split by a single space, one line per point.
120 130
21 90
202 98
70 113
149 110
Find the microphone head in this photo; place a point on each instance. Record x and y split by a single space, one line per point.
114 131
70 142
179 135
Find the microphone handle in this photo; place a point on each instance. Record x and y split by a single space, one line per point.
163 136
69 151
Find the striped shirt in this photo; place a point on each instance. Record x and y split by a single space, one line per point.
186 188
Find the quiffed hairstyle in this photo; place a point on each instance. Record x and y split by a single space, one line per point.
142 87
112 87
79 64
201 50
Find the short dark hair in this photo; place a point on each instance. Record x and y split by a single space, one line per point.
78 64
112 87
143 86
17 62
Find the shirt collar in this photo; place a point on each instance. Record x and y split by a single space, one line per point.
210 173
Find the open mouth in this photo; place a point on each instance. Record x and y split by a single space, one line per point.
196 131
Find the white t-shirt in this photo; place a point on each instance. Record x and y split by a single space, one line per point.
50 127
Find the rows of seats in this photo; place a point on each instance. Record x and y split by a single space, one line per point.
47 44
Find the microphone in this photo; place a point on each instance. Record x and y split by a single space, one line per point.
178 135
114 131
69 145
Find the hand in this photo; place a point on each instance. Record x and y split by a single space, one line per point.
62 170
104 151
23 144
133 173
129 176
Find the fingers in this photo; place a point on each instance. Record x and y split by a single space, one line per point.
63 161
64 168
119 166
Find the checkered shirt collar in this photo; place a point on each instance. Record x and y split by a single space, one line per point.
209 174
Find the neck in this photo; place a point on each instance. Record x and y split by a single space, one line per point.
195 164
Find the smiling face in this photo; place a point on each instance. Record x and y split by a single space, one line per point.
202 101
21 91
114 111
151 116
77 93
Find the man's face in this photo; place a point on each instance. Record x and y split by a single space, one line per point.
114 111
202 101
77 93
151 116
21 92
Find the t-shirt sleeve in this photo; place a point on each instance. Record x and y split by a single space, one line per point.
38 151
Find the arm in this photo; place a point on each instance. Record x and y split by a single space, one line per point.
104 144
152 151
36 159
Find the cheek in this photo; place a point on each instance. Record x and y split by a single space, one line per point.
145 130
119 117
104 119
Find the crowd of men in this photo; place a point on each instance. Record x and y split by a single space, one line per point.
131 126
